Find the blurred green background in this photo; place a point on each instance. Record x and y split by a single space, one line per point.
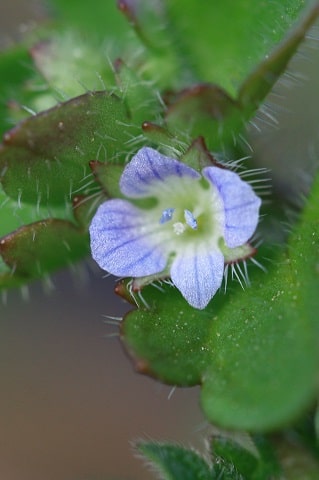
70 401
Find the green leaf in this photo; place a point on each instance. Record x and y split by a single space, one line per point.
231 79
254 459
168 339
100 20
221 42
264 371
176 463
15 70
208 110
254 351
34 250
88 68
37 249
233 453
45 159
258 83
15 214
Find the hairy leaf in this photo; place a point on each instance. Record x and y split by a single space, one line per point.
223 41
37 249
45 159
176 463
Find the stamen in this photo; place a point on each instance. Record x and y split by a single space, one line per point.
190 219
167 215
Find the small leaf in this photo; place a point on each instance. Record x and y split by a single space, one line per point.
176 463
34 250
162 138
45 159
37 249
87 69
226 450
253 460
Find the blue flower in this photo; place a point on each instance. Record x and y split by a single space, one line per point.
196 224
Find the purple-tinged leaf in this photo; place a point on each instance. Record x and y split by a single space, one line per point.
45 158
37 249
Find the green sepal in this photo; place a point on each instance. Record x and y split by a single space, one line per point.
108 176
198 156
168 143
234 255
85 207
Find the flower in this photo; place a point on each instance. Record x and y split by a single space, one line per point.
194 222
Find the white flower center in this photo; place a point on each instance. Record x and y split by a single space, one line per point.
179 227
188 210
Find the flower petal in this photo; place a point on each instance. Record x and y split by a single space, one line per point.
148 167
198 275
241 205
125 241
